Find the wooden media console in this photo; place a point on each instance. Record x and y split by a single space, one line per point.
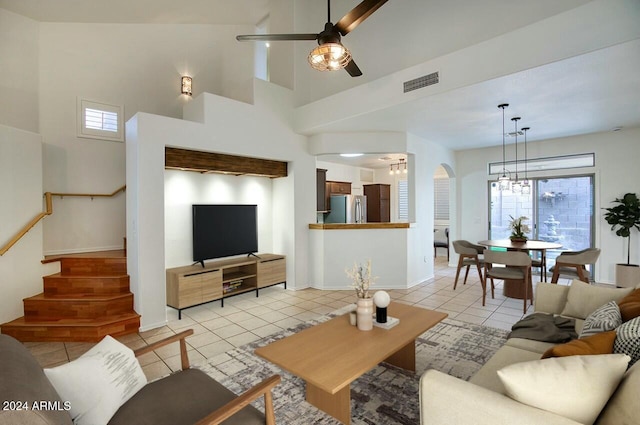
189 286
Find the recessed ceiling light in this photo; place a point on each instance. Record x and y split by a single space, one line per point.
385 158
351 155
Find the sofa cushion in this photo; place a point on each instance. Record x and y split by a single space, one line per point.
628 340
486 377
623 406
601 343
605 318
182 398
584 298
576 387
550 298
630 306
98 382
529 345
23 380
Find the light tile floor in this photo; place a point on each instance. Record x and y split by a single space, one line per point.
246 318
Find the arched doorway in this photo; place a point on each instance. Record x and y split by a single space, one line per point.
442 214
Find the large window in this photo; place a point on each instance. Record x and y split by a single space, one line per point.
560 209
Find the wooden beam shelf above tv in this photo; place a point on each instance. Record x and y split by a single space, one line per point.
210 162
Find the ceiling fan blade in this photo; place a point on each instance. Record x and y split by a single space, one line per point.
276 37
353 69
358 14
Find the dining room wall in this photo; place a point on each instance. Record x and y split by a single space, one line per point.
616 173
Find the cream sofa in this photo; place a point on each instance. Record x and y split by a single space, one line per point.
448 400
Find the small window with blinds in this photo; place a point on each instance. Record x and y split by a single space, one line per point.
403 200
100 121
441 199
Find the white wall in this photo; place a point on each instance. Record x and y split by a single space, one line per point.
616 173
183 189
423 158
21 190
224 129
19 71
135 65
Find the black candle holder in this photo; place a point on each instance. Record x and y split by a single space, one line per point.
381 314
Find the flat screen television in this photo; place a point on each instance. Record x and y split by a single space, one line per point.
223 230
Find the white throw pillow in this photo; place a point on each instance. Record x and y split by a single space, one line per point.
605 318
583 299
575 387
98 382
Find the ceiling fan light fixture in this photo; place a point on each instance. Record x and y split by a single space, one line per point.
329 57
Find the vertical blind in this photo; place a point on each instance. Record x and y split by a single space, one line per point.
403 200
441 198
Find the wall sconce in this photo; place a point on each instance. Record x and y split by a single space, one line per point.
186 85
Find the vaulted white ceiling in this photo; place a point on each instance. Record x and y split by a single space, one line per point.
594 90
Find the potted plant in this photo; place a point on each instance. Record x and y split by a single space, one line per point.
519 229
623 218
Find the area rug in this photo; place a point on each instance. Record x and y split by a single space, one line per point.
384 395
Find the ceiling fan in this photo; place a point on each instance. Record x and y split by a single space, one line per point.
330 54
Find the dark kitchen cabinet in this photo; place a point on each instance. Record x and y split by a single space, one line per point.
378 202
321 190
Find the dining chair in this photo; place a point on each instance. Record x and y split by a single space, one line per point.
442 244
468 255
572 264
539 262
511 265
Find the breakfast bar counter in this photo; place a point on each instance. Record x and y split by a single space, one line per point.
351 226
336 247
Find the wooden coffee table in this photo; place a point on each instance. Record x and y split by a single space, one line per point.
331 355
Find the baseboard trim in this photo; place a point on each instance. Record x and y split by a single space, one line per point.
152 326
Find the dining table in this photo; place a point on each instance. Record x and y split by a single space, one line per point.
516 291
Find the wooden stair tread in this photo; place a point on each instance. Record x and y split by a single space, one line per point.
117 253
88 299
87 276
79 297
73 322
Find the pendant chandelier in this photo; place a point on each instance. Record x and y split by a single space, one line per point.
516 185
504 180
526 185
401 167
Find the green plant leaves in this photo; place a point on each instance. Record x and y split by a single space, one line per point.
624 216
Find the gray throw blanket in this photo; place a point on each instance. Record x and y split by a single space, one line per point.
545 327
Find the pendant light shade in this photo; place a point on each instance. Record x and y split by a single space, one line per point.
526 185
516 186
505 179
329 57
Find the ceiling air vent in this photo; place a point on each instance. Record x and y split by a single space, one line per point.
420 82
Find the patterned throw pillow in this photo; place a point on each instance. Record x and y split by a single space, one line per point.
100 381
605 318
628 340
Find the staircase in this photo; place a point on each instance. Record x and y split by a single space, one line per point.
87 300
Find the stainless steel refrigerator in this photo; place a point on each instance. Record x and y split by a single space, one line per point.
347 209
